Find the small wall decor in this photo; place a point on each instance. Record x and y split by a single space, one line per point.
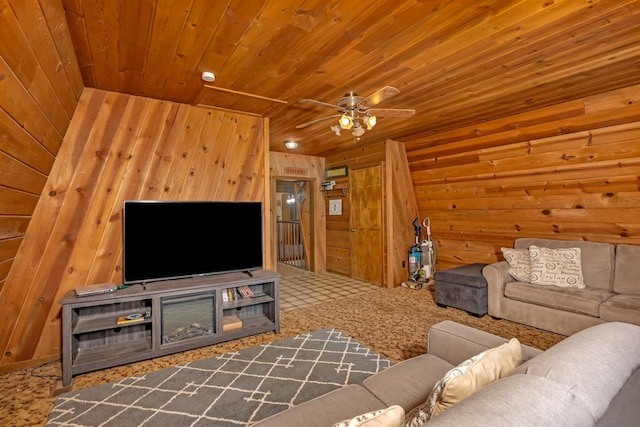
337 172
335 207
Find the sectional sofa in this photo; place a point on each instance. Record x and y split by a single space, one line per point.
589 379
611 292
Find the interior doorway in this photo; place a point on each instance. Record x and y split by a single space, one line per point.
293 223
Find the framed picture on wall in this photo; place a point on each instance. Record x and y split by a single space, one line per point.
337 172
335 207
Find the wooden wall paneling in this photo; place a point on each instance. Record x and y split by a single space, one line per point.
63 237
57 24
56 62
158 170
401 209
137 156
184 153
211 150
569 178
16 102
114 150
17 175
29 69
20 145
30 255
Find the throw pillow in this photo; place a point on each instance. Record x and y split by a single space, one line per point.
467 378
519 263
393 416
556 267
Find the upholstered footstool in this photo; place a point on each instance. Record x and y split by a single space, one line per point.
462 287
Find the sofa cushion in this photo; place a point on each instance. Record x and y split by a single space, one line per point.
467 378
621 308
597 258
585 301
627 275
519 263
593 363
556 267
407 383
392 416
519 400
623 409
323 411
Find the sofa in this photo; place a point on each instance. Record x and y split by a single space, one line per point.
611 289
589 379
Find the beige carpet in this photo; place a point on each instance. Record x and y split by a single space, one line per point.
393 322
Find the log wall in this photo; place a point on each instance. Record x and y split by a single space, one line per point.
571 171
120 147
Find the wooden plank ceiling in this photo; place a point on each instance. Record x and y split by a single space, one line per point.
457 63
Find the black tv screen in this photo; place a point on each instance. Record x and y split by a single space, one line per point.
174 239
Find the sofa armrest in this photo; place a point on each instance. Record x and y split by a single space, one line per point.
497 276
455 342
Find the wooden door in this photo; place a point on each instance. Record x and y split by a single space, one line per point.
365 192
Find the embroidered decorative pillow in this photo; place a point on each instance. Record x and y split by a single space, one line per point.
467 378
556 267
393 416
519 263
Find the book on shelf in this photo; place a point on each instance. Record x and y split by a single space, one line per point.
245 291
133 318
231 322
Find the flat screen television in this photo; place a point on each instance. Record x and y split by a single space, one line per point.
176 239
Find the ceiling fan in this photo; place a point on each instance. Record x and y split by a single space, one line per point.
356 112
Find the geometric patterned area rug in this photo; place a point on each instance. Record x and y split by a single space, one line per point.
234 389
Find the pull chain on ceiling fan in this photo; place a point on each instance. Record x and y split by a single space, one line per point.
356 112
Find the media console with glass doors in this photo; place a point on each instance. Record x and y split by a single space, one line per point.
154 319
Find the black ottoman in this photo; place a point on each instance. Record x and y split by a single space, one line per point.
462 287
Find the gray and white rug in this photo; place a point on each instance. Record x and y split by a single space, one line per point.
234 389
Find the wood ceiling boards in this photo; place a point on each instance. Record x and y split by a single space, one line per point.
457 63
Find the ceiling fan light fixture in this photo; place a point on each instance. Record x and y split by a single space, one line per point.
358 130
291 144
346 122
336 129
370 121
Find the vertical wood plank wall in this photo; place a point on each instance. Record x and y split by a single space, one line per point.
119 147
571 171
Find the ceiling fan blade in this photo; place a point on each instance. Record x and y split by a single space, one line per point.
313 122
378 96
320 104
392 112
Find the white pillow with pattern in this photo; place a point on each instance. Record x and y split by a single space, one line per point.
393 416
556 267
519 263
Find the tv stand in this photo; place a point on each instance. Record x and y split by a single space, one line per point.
184 314
248 273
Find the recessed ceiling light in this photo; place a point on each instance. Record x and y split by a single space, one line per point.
208 76
291 144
